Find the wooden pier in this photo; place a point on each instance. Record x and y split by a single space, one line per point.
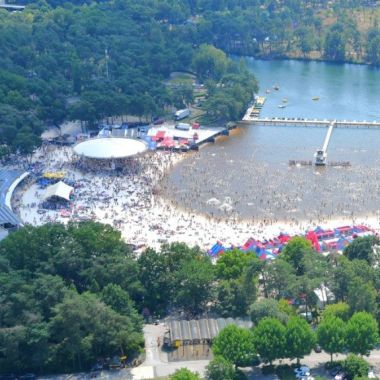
303 122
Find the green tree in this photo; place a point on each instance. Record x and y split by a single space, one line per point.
364 248
355 366
362 297
220 368
184 374
269 339
119 300
210 62
285 307
193 288
235 344
373 45
279 279
331 335
299 338
335 45
362 333
295 253
177 275
26 141
83 329
237 289
339 309
231 264
49 321
267 307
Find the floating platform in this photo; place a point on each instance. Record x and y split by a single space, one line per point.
310 163
300 163
253 112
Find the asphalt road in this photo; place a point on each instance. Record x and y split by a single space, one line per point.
156 363
158 359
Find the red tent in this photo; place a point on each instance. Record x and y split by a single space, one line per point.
313 238
284 238
160 135
168 142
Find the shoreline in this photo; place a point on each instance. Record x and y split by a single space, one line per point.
146 219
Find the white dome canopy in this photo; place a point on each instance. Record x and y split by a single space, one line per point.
109 148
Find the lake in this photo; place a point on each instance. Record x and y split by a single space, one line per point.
248 175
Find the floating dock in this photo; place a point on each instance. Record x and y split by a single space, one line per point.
253 112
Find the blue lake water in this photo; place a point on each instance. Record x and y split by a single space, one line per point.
250 169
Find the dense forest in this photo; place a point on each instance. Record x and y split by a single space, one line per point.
73 294
87 60
104 59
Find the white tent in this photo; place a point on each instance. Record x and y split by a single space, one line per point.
110 148
60 190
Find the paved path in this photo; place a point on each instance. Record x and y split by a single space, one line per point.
156 363
158 359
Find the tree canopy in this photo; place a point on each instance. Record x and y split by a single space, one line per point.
235 344
362 333
67 293
299 338
331 335
269 339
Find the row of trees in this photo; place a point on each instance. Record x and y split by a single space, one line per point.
272 340
238 347
54 277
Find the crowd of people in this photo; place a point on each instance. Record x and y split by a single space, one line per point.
150 210
269 193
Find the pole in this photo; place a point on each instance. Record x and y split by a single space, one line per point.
107 57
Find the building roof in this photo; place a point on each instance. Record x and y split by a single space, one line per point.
60 190
9 179
11 7
7 216
203 329
109 148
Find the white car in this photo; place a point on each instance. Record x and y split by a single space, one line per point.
303 368
340 376
303 375
302 372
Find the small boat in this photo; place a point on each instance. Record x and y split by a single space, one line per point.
285 100
275 87
281 105
315 98
267 91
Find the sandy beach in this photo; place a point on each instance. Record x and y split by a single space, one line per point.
133 204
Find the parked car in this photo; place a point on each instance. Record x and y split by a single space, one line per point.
302 372
371 375
318 349
334 371
340 376
27 376
158 121
97 367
